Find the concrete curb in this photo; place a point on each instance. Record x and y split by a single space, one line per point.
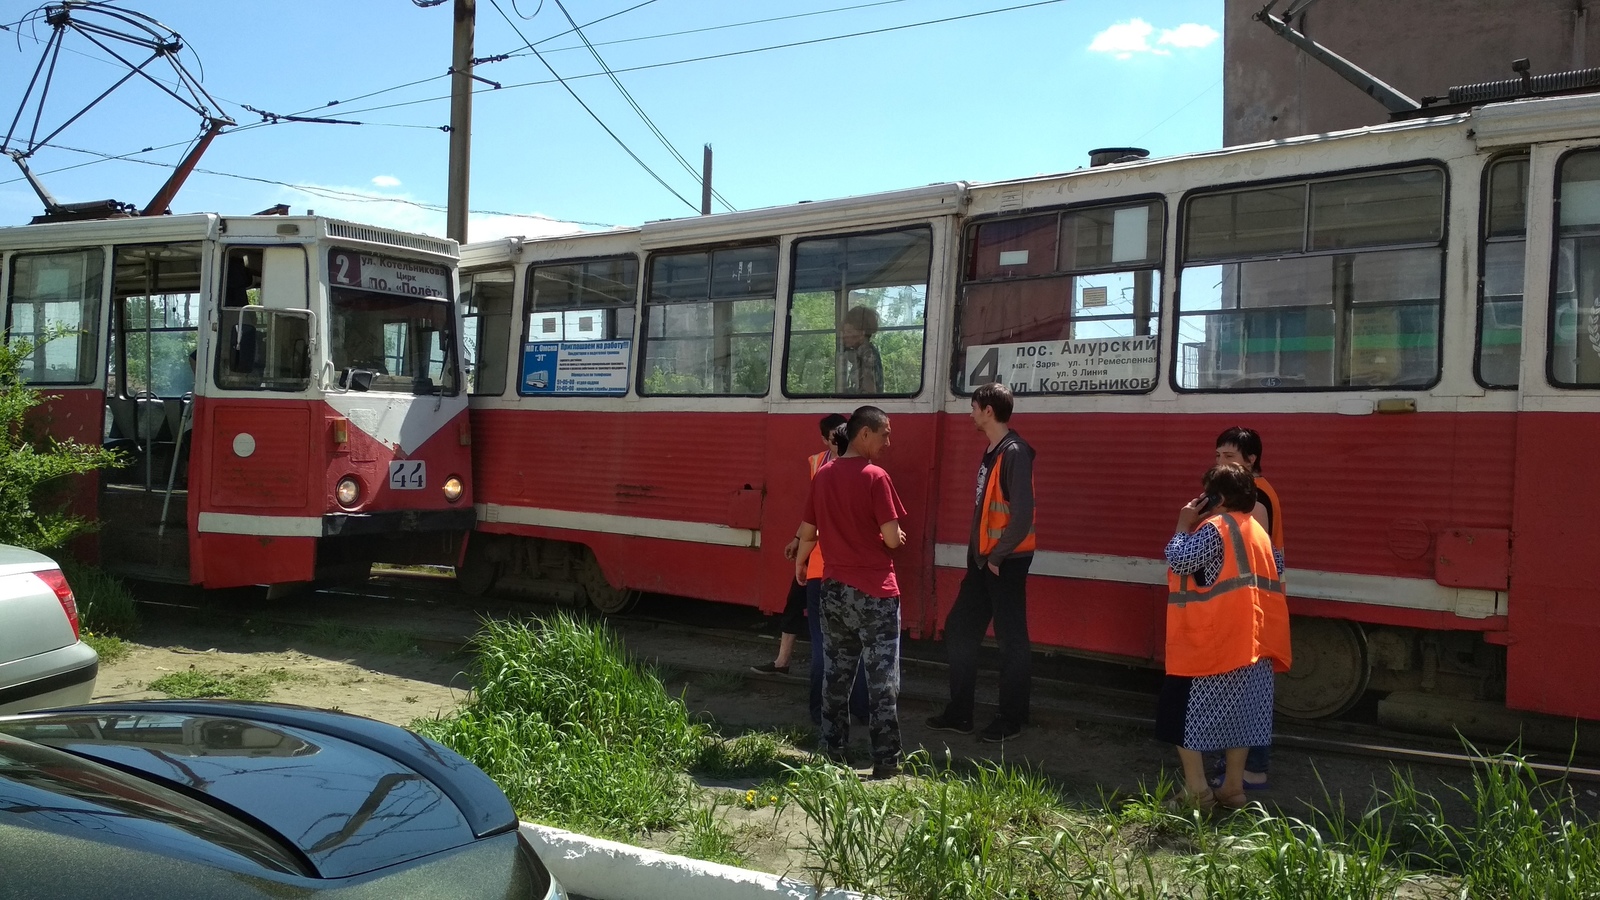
606 869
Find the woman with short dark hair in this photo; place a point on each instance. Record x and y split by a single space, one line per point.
1227 633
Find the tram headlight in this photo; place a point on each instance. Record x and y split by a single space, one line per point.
452 489
348 493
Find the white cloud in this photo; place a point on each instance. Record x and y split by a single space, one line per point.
1124 39
1189 34
386 181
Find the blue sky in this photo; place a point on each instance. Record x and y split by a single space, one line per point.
999 89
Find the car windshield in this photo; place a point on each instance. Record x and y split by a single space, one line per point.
383 342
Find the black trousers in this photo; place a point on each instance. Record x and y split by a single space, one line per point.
1002 599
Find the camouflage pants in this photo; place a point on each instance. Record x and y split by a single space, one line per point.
859 627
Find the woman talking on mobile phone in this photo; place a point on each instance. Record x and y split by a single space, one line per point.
1227 633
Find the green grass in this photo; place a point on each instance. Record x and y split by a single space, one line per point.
109 647
383 641
576 733
105 606
582 737
703 835
195 683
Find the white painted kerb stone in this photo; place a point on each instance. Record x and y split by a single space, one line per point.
600 868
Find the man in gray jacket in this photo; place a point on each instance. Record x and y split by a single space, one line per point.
999 551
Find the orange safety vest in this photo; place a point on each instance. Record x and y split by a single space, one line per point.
814 564
1276 534
996 515
1236 620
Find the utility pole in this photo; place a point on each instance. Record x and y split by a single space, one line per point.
466 12
705 183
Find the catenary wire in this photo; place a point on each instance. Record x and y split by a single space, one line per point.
620 143
727 55
643 116
336 194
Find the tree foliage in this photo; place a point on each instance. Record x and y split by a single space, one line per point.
36 468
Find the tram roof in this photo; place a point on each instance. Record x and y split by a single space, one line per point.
204 226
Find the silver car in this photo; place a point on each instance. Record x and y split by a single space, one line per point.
42 661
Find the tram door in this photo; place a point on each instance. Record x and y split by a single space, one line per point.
1553 616
149 401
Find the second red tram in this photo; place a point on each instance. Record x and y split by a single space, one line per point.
1407 313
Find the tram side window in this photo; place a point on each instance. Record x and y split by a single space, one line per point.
486 329
579 329
1504 236
54 304
1063 303
858 307
156 293
1574 307
1332 283
708 321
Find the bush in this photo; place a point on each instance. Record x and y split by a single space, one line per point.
34 465
573 731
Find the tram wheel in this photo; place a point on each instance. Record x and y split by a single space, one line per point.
1330 670
602 595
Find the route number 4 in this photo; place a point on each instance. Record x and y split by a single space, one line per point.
408 474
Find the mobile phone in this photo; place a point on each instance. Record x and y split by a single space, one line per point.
1208 502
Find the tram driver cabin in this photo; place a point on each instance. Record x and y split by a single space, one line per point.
285 389
1407 313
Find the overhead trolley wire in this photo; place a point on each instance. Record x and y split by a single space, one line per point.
697 176
620 143
729 54
330 193
667 34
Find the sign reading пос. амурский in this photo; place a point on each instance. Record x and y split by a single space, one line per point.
1057 367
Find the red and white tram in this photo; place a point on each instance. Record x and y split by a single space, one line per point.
1407 313
287 390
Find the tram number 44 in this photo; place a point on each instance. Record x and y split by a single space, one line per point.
408 474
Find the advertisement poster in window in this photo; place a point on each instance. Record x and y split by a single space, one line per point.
1065 367
576 367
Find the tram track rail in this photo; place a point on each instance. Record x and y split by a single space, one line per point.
443 620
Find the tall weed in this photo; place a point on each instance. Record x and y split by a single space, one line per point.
574 732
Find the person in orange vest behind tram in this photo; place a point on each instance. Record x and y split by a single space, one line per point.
1243 446
1227 633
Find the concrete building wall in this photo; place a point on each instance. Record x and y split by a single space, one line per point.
1420 47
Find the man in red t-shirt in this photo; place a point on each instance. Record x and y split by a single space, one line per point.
854 503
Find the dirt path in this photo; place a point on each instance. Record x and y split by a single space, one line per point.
390 687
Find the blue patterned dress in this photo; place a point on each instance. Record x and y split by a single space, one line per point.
1214 712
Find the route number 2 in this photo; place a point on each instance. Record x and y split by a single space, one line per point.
408 474
346 268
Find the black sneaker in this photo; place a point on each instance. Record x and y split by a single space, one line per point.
943 722
770 669
999 730
881 771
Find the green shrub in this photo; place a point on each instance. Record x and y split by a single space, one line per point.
576 733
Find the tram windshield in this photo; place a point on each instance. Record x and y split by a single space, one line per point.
391 326
381 342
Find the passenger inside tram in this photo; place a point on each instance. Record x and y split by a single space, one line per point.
860 368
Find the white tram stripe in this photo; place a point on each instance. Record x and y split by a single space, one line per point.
666 529
268 526
1344 587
